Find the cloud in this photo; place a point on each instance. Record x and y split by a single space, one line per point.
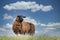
31 20
8 25
33 6
47 8
7 16
2 29
55 25
44 25
6 30
39 32
5 27
50 26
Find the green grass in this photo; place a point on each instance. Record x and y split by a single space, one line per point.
29 38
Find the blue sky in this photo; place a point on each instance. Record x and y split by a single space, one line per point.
44 14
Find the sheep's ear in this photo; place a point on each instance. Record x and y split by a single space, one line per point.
18 16
24 16
21 16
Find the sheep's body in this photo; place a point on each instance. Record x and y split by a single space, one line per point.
28 28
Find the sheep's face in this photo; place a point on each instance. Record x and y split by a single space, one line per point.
20 18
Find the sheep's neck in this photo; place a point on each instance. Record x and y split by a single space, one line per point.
20 24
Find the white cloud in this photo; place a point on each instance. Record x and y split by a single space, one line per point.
36 31
6 16
7 30
43 25
39 32
47 8
2 29
8 25
31 20
5 27
33 6
50 26
55 25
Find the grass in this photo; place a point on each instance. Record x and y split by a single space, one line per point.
29 38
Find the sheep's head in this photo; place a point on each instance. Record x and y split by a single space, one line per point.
20 18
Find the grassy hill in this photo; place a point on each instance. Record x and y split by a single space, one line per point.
29 38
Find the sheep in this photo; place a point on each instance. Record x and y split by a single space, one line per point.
20 27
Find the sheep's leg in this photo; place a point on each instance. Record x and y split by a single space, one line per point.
20 32
24 33
16 32
31 33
